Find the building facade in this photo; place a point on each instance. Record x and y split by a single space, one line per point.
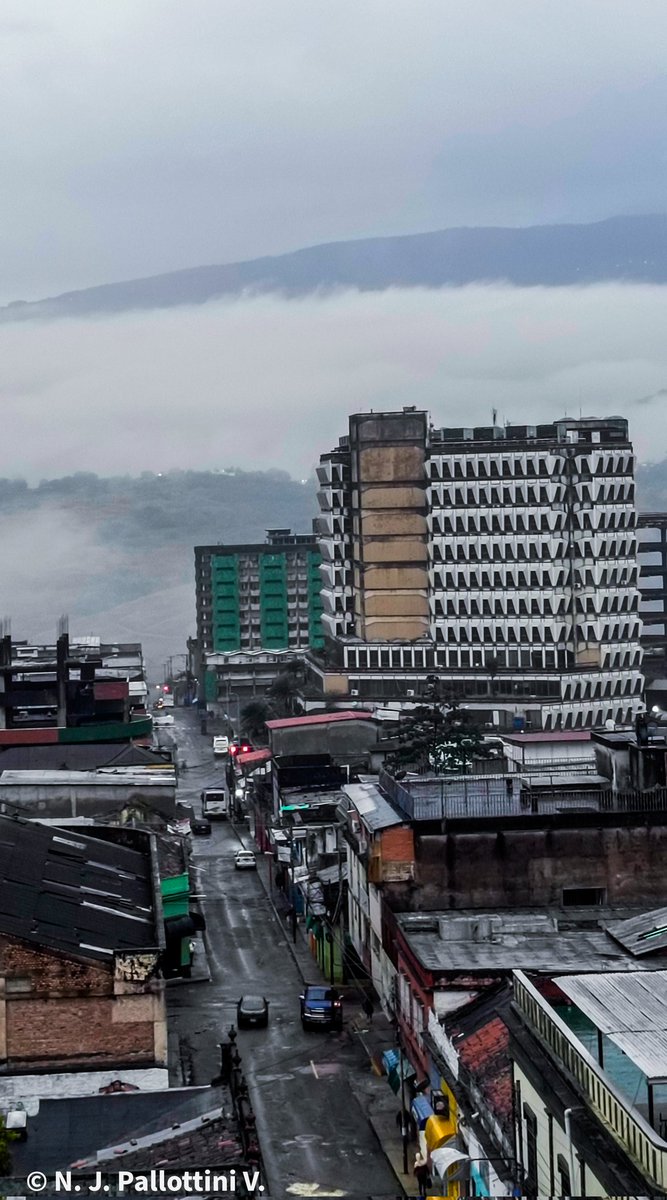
81 949
258 606
652 555
504 559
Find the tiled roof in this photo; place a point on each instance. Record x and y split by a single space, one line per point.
486 1055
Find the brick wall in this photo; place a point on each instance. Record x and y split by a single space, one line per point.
57 1013
53 974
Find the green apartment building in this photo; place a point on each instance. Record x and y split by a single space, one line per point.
258 606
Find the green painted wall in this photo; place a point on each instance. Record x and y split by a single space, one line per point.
274 628
225 614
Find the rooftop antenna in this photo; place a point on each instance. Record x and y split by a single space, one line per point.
494 412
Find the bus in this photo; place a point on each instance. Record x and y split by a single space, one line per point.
215 804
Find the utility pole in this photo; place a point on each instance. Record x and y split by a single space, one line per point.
292 889
404 1115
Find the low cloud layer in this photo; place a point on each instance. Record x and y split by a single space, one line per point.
54 564
265 382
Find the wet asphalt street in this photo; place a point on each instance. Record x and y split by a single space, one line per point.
314 1135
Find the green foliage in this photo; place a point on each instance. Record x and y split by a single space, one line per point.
254 716
6 1138
284 692
437 737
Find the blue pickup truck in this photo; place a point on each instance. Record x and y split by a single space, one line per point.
321 1005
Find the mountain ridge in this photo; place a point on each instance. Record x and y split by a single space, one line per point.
617 249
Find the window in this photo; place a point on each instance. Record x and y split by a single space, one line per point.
564 1184
583 896
18 985
531 1149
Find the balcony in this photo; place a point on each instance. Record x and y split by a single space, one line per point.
627 1124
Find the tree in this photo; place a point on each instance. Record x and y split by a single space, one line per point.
254 716
6 1138
284 694
438 736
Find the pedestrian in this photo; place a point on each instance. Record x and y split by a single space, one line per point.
422 1173
369 1008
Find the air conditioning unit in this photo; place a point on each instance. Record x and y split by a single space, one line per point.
354 691
440 1104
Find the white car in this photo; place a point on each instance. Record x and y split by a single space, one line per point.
244 860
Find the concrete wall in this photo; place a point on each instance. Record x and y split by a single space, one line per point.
89 799
523 867
562 1148
341 739
389 544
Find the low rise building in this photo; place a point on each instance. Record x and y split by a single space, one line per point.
62 795
347 736
81 940
78 690
380 849
589 1061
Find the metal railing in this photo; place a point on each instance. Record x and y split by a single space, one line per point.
459 797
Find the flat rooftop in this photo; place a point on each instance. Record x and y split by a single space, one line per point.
544 941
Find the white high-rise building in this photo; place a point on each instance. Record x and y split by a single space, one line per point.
502 560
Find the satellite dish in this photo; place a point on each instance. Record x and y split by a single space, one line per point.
610 725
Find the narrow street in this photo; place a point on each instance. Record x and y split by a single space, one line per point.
315 1137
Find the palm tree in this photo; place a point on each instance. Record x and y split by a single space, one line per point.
284 692
254 716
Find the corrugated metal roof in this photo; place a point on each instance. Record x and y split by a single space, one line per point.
374 809
630 1009
74 892
320 719
642 935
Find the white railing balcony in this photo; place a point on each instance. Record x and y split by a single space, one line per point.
631 1130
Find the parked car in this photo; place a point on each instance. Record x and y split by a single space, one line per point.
252 1011
201 825
321 1006
244 860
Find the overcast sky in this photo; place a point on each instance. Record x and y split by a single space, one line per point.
142 136
139 136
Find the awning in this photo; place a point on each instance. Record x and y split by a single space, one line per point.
253 759
332 874
437 1131
442 1160
629 1007
396 1066
421 1111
